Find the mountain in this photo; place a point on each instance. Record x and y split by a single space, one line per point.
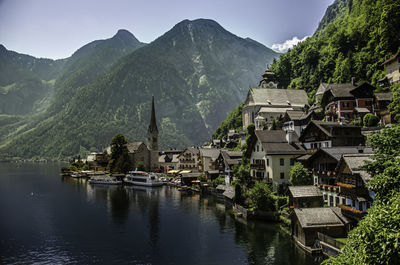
353 44
197 71
25 81
335 10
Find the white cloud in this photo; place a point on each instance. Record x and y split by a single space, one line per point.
288 44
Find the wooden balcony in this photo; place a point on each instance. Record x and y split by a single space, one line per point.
257 166
351 212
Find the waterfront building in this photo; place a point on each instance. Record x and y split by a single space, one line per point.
319 134
208 162
168 160
226 161
273 154
305 197
189 159
352 180
139 152
271 103
306 223
322 165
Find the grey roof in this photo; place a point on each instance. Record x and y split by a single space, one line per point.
193 150
362 110
274 142
161 159
384 96
318 217
295 114
278 97
274 109
322 88
175 158
305 191
213 153
325 126
355 162
341 90
134 146
231 157
337 151
229 192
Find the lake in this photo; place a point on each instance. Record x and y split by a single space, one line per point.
48 219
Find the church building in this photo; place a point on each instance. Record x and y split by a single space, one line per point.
152 139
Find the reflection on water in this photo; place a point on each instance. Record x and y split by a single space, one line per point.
54 220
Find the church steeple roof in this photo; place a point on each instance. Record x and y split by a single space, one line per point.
153 123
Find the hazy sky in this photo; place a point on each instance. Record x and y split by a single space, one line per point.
56 28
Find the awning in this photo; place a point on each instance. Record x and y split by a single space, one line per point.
185 171
173 171
213 172
195 181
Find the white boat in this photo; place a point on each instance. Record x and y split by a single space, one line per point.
142 179
104 180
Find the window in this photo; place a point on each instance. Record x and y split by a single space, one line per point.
325 197
268 175
343 201
282 162
257 148
336 201
267 162
292 161
282 175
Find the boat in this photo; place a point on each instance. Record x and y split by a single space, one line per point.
104 180
142 178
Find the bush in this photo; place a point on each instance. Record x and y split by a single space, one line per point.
218 181
299 175
140 166
238 199
202 178
261 197
370 120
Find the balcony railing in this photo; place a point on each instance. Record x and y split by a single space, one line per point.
257 166
351 212
345 185
326 187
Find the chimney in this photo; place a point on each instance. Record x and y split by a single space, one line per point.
289 136
353 81
360 148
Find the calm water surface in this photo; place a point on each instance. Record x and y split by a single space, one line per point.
47 219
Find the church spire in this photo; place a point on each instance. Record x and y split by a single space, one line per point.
153 123
152 132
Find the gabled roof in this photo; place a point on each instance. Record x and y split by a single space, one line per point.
318 217
193 150
213 153
355 162
134 146
341 90
391 59
274 142
305 191
295 114
337 151
325 127
231 157
277 97
384 96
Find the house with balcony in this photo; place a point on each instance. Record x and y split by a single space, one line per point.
345 102
189 159
323 163
208 162
320 134
352 180
273 154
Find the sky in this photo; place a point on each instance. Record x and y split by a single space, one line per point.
56 28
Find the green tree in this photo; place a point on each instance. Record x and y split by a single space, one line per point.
395 104
261 197
376 238
120 161
299 175
140 166
370 120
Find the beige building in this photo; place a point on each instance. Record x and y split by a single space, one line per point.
392 69
273 155
270 103
189 159
208 161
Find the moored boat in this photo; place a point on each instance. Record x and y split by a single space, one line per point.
142 179
105 180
